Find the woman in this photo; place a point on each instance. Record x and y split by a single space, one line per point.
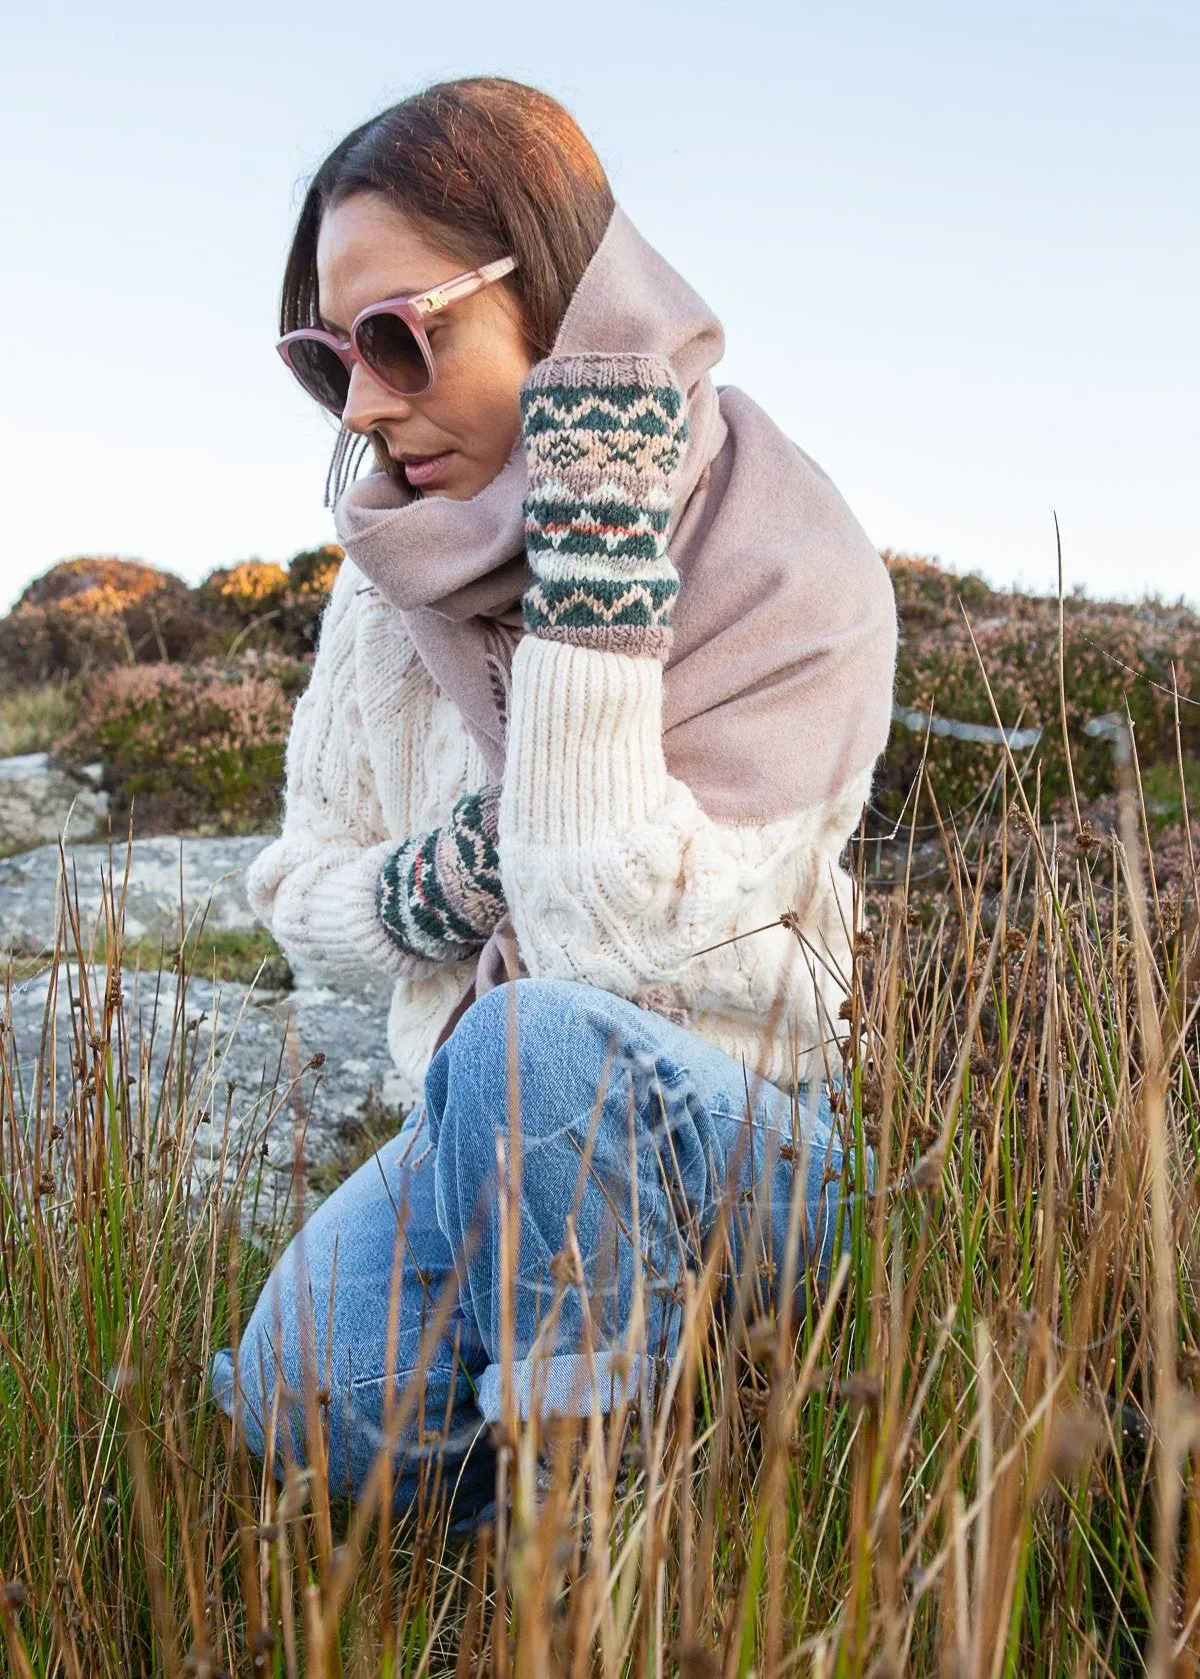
598 697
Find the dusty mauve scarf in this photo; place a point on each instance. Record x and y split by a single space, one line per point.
779 684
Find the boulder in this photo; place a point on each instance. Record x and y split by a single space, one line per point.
38 797
262 1043
207 875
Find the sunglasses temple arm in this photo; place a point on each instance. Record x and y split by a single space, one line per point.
466 285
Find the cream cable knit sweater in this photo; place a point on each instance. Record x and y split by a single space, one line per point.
613 874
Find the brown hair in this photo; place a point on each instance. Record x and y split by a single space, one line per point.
491 168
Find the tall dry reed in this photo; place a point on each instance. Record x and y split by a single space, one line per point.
974 1451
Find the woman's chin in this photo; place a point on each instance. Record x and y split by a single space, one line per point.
464 489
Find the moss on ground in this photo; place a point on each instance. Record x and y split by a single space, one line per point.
245 958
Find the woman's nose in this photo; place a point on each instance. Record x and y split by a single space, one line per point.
368 401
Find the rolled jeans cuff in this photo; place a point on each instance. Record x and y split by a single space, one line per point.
562 1385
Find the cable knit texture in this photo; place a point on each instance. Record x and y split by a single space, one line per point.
604 438
439 894
611 871
375 755
616 877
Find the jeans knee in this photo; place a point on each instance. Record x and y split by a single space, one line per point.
527 1026
530 1008
565 1039
466 1080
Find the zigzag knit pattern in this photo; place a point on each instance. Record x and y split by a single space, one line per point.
439 894
604 436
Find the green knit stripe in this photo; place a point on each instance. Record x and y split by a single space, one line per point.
630 397
639 429
599 604
555 508
647 410
622 534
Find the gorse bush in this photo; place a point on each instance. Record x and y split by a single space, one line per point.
293 618
247 589
312 571
91 614
197 747
266 607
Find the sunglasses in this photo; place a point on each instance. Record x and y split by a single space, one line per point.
389 339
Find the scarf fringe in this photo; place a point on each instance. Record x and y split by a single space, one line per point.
344 463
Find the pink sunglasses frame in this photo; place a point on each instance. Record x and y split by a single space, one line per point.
412 310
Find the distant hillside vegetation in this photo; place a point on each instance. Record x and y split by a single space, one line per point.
93 614
185 693
1117 659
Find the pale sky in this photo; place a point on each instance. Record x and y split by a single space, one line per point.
955 249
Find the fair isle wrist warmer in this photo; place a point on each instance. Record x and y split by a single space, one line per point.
603 437
439 894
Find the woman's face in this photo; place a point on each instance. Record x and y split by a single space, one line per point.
459 433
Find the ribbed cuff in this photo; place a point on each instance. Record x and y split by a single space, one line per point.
562 1385
343 928
595 371
585 753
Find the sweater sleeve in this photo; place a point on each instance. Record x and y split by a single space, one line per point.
614 874
317 885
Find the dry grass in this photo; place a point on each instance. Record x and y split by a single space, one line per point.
32 719
974 1453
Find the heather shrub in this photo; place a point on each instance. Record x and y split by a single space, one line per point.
195 747
1116 658
927 594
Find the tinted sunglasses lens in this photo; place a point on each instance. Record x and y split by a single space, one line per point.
320 371
389 347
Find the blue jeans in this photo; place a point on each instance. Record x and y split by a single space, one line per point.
636 1140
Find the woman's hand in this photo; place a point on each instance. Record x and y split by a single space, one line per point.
604 437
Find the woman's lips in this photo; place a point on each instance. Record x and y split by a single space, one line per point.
427 470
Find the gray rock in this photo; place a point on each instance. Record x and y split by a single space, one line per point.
260 1043
206 875
39 796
